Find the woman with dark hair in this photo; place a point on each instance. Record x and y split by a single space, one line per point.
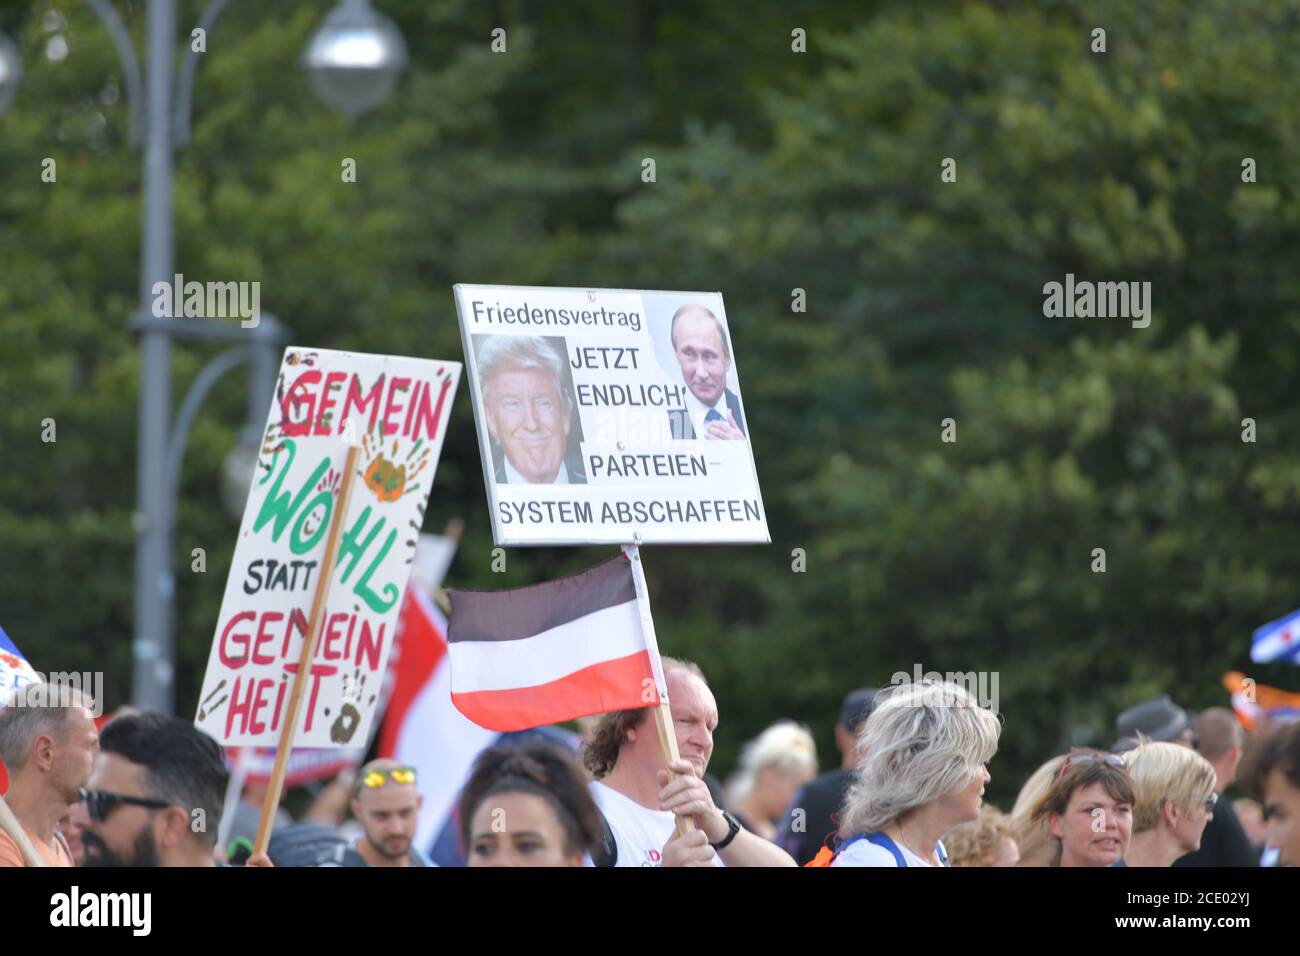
1089 809
527 805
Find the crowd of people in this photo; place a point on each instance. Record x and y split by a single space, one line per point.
147 790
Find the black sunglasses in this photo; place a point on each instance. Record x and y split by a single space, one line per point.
100 803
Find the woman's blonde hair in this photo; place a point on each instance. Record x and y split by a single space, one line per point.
923 741
979 842
1165 771
1038 847
785 745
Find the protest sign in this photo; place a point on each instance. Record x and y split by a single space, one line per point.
609 416
390 414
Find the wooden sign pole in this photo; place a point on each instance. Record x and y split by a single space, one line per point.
663 713
309 642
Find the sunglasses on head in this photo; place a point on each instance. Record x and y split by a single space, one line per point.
378 778
1114 760
100 803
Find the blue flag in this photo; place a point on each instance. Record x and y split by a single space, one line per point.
1277 641
15 672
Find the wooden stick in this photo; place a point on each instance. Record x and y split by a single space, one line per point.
309 641
668 746
663 713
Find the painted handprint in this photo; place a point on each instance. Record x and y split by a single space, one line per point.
387 479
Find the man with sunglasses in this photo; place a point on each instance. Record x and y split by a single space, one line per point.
155 794
387 804
48 742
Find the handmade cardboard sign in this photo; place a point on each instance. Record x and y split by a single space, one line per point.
395 410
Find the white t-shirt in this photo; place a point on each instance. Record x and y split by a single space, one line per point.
639 831
866 853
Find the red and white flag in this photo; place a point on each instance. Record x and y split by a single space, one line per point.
530 656
421 727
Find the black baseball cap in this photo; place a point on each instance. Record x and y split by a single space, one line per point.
857 708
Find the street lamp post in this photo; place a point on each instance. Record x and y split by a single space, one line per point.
352 80
11 72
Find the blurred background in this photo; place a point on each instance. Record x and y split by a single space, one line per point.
775 171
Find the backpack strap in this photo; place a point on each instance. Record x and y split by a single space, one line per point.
831 848
605 852
880 840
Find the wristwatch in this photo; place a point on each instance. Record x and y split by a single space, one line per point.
733 827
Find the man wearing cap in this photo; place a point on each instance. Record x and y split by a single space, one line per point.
814 813
1157 719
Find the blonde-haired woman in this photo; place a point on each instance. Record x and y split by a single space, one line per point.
773 766
1038 846
925 745
1089 809
987 841
1174 791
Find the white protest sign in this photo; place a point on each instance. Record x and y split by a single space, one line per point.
609 417
396 410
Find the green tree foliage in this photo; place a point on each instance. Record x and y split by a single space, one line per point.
775 170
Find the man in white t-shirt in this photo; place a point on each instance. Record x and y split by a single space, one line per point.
640 803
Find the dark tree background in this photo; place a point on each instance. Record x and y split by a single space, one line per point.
776 171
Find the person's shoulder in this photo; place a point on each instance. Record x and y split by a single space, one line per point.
611 800
10 855
603 794
864 853
418 858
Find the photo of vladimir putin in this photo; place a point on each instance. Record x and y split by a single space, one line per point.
528 410
712 410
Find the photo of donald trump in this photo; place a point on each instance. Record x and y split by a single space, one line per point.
528 408
700 347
